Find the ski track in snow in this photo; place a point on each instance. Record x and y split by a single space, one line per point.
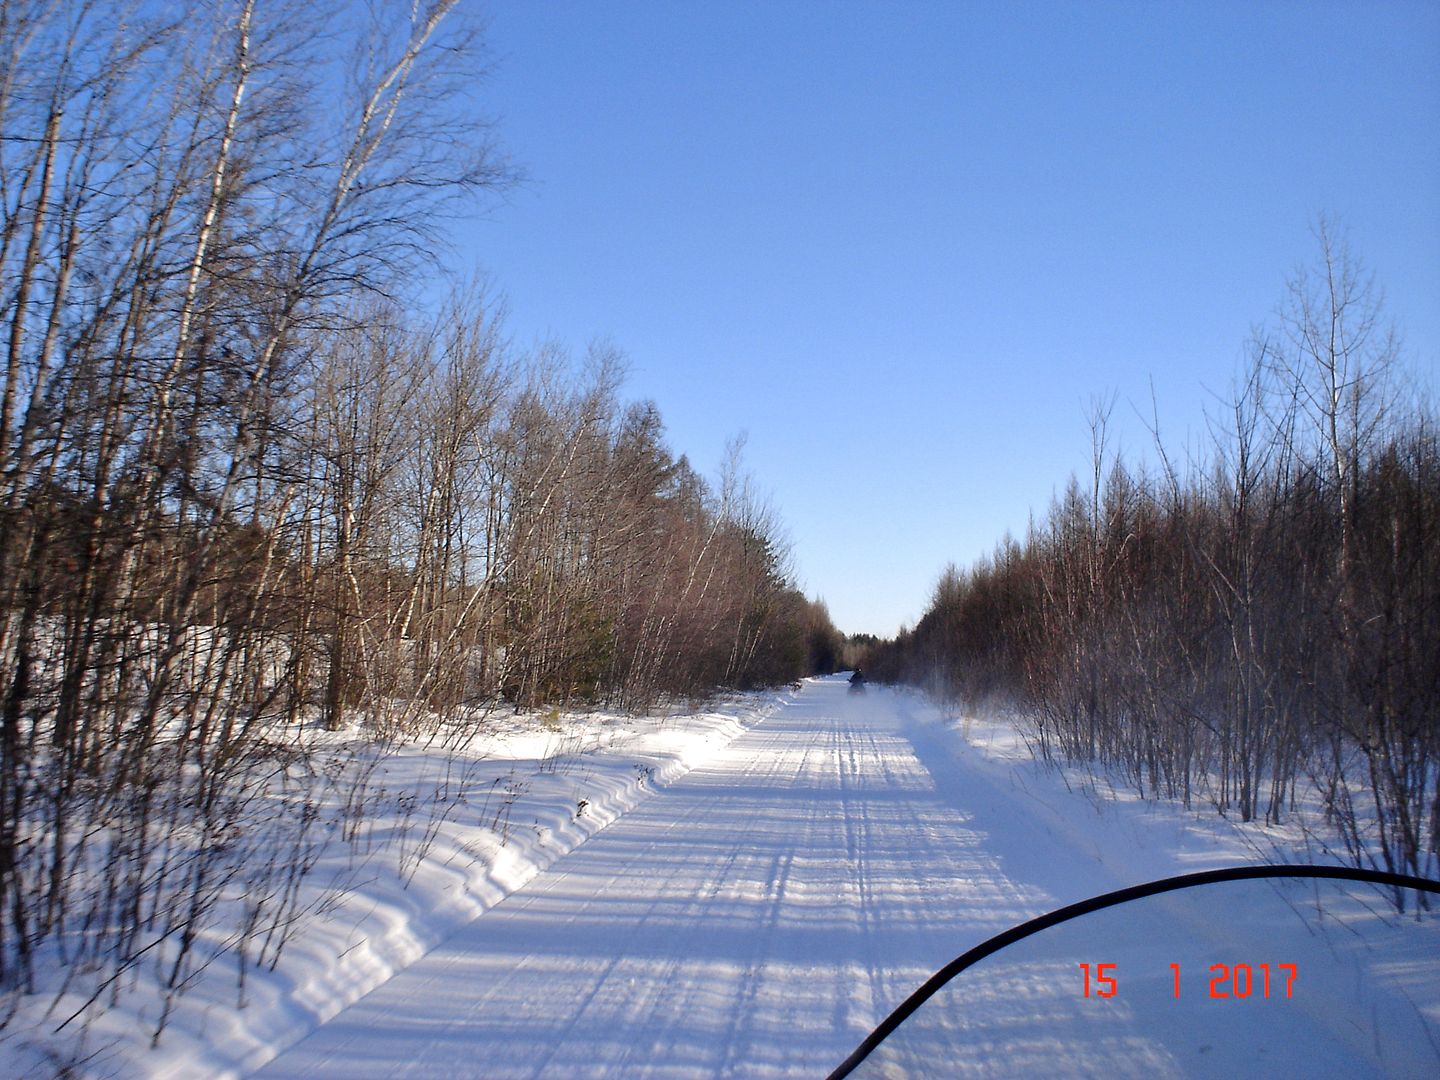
759 915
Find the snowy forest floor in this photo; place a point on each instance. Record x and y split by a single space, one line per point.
747 891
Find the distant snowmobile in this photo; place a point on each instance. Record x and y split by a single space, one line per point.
857 682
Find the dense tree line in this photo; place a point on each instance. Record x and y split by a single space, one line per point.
244 489
1260 623
483 529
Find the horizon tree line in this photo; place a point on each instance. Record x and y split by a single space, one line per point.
1256 623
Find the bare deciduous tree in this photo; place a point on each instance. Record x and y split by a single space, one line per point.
1261 620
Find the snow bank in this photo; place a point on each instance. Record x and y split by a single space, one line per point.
444 836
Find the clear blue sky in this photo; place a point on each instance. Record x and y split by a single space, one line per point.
903 245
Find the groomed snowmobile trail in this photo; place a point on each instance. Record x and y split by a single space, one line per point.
757 918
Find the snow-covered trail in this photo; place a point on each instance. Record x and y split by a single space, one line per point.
755 918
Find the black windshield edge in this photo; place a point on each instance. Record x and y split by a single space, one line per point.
1110 899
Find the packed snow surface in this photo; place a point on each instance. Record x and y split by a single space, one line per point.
760 914
747 891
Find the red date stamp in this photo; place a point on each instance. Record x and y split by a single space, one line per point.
1229 981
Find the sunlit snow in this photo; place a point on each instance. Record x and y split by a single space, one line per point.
747 891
